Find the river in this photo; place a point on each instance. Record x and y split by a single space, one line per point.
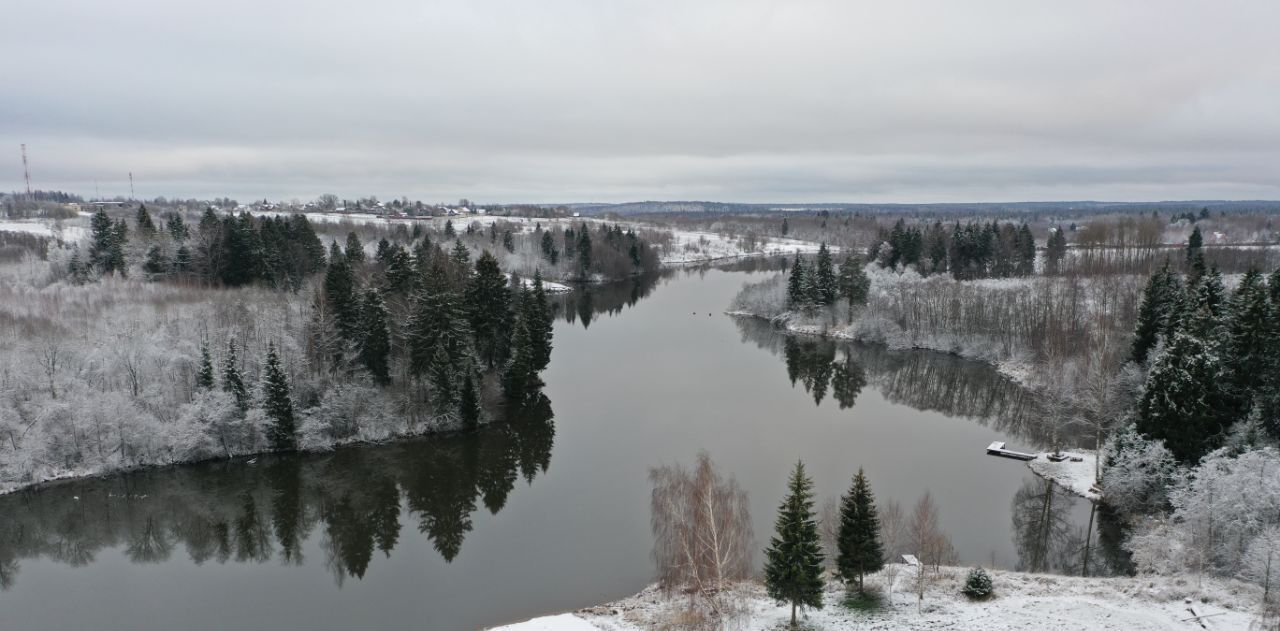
549 512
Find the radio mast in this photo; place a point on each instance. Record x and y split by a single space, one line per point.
26 173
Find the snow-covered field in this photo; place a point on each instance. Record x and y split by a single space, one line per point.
1021 602
69 230
698 247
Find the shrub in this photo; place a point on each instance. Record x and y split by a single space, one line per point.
978 585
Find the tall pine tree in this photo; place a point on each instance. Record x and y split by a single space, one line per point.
340 294
797 283
793 565
824 277
469 401
232 383
853 283
146 227
278 404
488 308
204 378
537 315
520 381
1183 402
858 543
375 343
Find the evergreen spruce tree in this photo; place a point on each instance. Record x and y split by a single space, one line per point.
278 404
239 266
442 373
809 287
375 344
583 251
797 284
508 241
399 269
384 251
354 250
853 283
146 227
793 565
824 278
469 401
119 239
1205 318
231 381
156 264
1152 314
177 227
1178 300
1183 402
438 322
204 378
858 544
100 245
520 382
537 315
449 231
77 270
549 251
341 298
488 305
182 260
1195 254
785 228
461 258
1252 332
1055 250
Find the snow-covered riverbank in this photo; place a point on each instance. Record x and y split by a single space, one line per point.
1021 601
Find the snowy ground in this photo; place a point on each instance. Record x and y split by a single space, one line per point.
547 286
1021 602
697 247
1077 477
68 230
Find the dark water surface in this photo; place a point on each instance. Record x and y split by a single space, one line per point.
549 512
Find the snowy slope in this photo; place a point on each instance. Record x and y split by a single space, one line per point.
1022 601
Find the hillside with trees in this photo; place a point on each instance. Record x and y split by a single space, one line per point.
244 334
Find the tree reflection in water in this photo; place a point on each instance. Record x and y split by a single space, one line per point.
230 511
924 380
590 300
1049 540
1047 531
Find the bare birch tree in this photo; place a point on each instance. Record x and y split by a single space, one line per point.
702 534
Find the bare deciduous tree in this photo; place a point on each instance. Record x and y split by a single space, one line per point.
925 538
702 533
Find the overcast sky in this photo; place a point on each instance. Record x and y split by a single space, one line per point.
599 100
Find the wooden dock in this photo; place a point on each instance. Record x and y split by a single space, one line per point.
997 449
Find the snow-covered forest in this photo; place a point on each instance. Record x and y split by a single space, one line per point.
162 340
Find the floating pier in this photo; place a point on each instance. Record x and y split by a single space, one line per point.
997 449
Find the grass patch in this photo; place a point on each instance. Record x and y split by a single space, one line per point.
866 602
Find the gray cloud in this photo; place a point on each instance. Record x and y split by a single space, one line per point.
566 100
